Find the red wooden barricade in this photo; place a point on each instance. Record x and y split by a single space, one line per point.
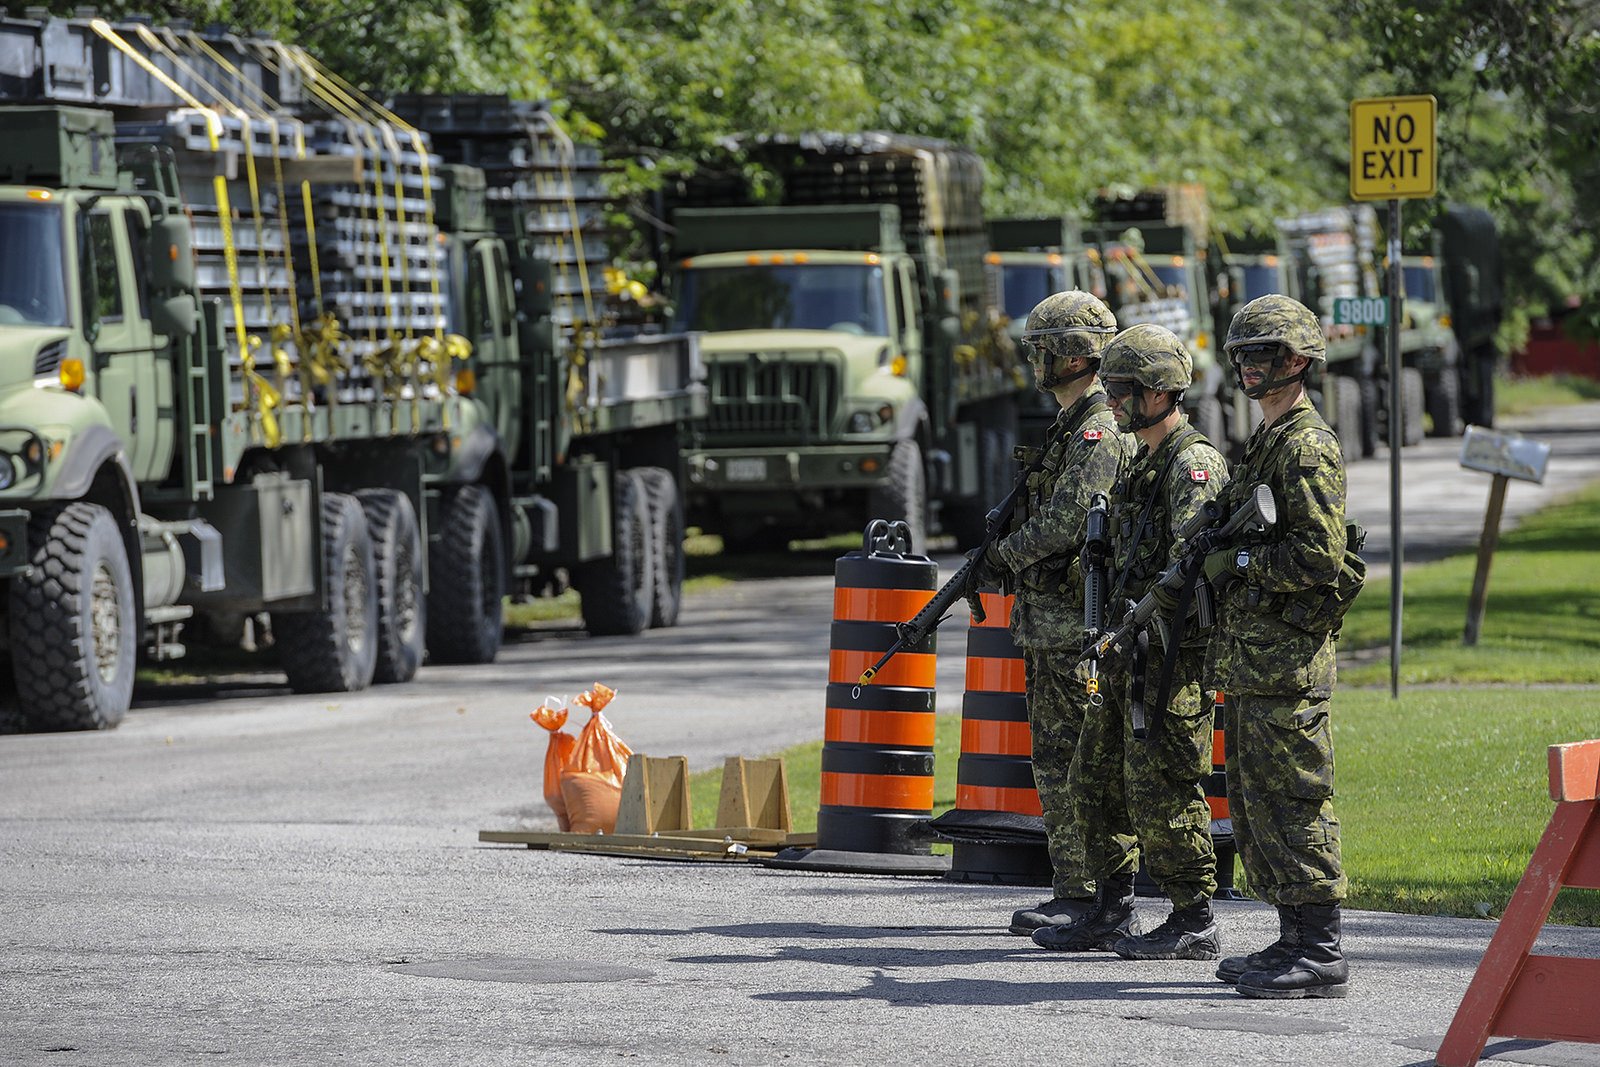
1517 994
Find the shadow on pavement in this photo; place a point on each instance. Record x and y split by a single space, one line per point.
965 992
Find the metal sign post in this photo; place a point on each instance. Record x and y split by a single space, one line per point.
1394 156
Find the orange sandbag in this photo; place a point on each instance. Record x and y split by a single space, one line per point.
557 756
591 784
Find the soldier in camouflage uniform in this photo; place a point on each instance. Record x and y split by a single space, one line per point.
1149 788
1037 560
1272 654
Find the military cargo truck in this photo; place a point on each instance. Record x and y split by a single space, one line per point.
196 441
1029 259
1153 246
856 367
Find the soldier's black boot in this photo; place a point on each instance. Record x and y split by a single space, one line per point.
1234 968
1112 919
1316 969
1057 911
1187 934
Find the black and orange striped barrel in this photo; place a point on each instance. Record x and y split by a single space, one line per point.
877 752
1222 839
995 773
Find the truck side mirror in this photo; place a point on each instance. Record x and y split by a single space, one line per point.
175 316
172 257
534 280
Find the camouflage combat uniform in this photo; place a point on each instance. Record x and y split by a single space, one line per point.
1085 456
1274 661
1151 789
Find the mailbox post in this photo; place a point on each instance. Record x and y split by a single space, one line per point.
1505 456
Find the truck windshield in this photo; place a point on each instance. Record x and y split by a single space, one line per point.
838 297
33 289
1023 286
1419 284
1259 280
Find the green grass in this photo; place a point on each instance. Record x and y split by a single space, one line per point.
1518 396
1442 795
1541 624
525 615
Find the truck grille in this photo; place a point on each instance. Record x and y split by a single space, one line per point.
792 399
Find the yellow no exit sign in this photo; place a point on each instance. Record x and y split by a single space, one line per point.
1394 151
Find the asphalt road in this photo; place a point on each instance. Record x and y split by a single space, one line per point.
242 875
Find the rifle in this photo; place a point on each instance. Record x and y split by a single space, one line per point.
1209 530
1093 559
924 622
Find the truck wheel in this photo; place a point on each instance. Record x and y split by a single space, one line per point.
1208 419
903 496
617 592
336 650
1444 403
666 528
1347 415
467 580
74 629
402 609
1412 406
1368 414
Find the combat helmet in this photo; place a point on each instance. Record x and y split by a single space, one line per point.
1065 326
1269 329
1153 357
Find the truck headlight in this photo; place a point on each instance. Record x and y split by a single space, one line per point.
8 470
862 422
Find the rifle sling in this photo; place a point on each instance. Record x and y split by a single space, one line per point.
1169 661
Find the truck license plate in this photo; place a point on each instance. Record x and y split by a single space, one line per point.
751 469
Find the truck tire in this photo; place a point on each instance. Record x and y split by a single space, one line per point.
402 607
666 529
1347 415
74 625
1209 420
1444 402
1477 376
467 582
1412 406
335 650
1370 414
903 495
618 592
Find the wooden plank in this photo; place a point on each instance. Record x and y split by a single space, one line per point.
1584 870
1513 939
646 852
1575 771
1553 999
746 835
556 839
513 837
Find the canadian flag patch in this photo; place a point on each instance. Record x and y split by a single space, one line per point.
1200 476
1093 435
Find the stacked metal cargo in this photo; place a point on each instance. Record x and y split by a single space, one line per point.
545 191
313 217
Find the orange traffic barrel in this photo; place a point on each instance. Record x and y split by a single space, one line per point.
1216 784
877 751
996 826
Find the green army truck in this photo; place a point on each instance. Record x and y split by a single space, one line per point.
178 468
1153 247
1029 259
855 366
1450 316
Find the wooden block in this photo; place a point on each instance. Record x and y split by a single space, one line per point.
655 795
1574 771
755 793
745 835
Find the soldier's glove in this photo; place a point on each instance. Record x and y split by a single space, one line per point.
1220 569
1166 601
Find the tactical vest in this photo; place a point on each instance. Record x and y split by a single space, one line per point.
1140 525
